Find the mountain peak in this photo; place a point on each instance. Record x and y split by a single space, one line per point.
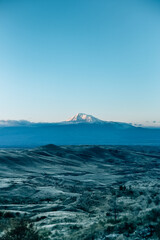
83 118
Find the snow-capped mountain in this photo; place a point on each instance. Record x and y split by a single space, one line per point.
81 129
84 118
78 119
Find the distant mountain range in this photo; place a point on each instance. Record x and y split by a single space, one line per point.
81 129
78 118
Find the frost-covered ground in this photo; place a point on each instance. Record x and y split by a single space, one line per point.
83 192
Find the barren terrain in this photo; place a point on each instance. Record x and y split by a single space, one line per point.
83 192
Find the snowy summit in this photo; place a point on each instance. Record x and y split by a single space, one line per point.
83 118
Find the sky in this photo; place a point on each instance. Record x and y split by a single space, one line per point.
100 57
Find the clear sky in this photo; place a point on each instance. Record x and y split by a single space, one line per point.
60 57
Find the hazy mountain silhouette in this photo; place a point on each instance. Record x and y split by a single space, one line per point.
80 129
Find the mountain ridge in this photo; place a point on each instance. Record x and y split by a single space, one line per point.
79 118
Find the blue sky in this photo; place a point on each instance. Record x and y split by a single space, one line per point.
60 57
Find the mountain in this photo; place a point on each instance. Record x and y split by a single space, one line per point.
76 119
84 118
89 119
82 129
